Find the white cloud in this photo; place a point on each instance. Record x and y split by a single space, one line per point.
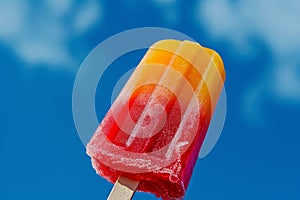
287 82
12 18
59 7
39 52
276 23
40 33
87 16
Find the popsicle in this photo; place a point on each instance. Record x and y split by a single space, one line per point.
151 137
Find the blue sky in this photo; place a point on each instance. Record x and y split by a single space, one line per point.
43 44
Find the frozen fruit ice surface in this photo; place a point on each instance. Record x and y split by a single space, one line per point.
154 130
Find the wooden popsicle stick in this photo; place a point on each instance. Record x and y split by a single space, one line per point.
123 189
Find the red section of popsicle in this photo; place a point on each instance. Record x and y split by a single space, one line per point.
158 97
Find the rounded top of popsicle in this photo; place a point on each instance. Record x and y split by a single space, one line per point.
172 45
218 61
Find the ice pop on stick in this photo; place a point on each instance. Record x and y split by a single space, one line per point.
151 137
